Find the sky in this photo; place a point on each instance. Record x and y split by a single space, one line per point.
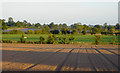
62 12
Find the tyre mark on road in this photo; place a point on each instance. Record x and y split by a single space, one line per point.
91 63
61 65
29 67
108 59
110 51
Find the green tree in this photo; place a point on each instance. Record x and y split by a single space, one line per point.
38 25
30 32
112 30
74 31
38 31
71 39
97 39
10 21
114 39
23 40
42 39
52 39
63 40
84 31
94 30
4 25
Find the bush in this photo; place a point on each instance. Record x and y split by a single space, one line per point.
114 40
63 40
52 39
38 31
71 39
42 39
23 40
7 41
30 32
97 39
16 32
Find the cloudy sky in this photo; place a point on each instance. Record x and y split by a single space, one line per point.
62 12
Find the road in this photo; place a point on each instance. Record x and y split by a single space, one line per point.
36 57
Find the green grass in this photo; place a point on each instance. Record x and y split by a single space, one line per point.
78 38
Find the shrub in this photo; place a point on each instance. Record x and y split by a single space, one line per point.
114 40
42 39
7 41
38 31
30 32
16 32
63 40
71 38
97 39
23 40
74 31
52 39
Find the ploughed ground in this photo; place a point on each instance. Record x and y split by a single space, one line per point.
59 57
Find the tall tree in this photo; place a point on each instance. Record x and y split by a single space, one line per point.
4 25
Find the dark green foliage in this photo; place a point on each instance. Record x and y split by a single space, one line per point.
7 41
42 39
71 39
30 32
4 25
63 40
55 32
114 39
16 32
97 39
23 40
74 31
84 31
52 39
38 31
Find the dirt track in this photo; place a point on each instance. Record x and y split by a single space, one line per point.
35 57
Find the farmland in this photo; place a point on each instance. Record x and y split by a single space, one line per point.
62 57
78 38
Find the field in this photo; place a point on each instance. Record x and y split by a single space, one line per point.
79 38
49 57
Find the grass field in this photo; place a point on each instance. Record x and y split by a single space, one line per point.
78 38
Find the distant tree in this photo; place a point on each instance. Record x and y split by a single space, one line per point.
38 25
106 30
47 29
112 30
65 25
71 39
63 40
60 32
105 25
60 26
30 32
117 26
38 31
16 32
84 31
42 39
52 39
23 40
51 25
10 21
97 39
99 29
63 30
4 25
74 31
114 39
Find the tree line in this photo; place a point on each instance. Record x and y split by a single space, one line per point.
76 28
